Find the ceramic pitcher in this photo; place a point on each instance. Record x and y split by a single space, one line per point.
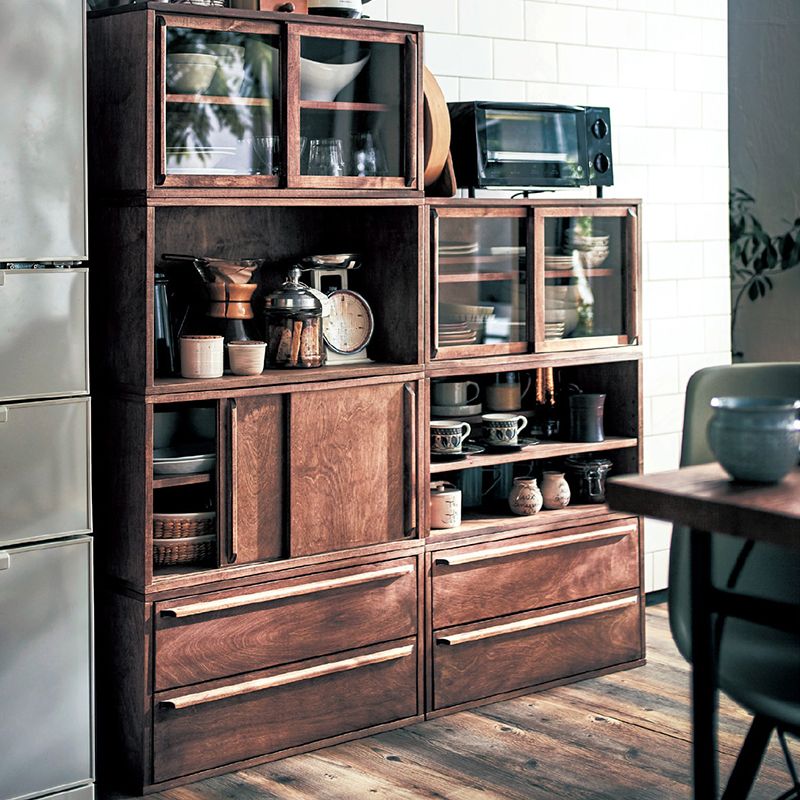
555 490
525 498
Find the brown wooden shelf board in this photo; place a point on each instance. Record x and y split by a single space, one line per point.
495 259
476 524
321 105
218 100
591 272
167 481
474 277
549 449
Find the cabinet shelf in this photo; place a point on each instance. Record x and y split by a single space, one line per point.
476 277
593 272
169 481
322 105
535 452
218 100
457 260
482 523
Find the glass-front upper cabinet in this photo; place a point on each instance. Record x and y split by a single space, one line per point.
352 115
585 277
480 281
220 114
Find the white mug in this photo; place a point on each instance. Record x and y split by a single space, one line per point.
502 428
448 436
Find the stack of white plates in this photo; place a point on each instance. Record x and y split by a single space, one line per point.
554 330
458 248
198 160
558 263
511 250
456 334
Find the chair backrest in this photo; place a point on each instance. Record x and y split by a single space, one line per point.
769 571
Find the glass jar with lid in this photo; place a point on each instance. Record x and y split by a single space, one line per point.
294 325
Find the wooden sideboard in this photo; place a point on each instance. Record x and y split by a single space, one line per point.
329 609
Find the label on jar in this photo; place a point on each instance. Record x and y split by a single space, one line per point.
336 5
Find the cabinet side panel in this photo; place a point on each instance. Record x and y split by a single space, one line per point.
117 102
121 317
346 468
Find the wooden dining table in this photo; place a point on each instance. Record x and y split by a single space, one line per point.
706 500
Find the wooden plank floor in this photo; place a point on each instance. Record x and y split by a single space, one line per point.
620 737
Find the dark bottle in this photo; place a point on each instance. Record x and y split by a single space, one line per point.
164 351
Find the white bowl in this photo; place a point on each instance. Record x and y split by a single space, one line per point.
188 77
323 82
191 58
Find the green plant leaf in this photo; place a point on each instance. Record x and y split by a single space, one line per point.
752 292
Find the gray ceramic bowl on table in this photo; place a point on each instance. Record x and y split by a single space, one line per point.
755 438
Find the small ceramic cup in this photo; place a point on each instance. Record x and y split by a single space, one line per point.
202 356
500 429
448 436
247 357
455 393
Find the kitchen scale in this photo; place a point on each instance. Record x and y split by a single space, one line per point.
347 321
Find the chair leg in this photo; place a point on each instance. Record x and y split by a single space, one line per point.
749 759
789 762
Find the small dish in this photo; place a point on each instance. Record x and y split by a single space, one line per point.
467 449
183 460
456 411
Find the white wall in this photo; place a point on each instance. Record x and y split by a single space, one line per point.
765 119
661 65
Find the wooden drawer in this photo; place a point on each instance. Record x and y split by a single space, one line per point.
226 633
479 660
260 713
494 579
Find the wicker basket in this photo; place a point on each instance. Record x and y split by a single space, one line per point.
189 550
181 526
186 538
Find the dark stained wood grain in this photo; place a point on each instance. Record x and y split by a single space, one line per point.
505 578
249 637
346 468
704 497
256 450
469 670
225 731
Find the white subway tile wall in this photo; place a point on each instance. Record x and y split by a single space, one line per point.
661 65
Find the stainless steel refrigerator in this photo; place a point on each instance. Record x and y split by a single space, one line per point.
46 663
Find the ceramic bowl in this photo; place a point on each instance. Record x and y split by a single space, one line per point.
755 438
323 82
247 358
189 77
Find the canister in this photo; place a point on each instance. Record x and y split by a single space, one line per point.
445 505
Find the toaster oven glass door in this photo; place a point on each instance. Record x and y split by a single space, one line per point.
528 146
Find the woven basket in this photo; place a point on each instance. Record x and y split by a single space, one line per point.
189 550
181 526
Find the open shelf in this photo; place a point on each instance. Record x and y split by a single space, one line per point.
545 449
168 481
218 100
321 105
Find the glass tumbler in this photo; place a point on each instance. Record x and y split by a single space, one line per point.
363 156
325 157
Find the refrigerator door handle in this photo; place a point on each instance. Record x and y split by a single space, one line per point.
5 561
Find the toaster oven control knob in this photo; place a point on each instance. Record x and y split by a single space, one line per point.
601 163
599 129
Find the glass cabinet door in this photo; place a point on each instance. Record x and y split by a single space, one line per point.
352 115
584 268
480 281
220 103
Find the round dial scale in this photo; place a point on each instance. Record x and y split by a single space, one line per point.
349 326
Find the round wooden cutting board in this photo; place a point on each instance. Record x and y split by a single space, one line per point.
437 128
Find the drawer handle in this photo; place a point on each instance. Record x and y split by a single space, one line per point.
193 609
541 544
536 622
259 685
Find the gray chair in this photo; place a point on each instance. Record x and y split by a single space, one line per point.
758 666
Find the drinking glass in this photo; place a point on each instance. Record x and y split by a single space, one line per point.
325 157
364 156
266 155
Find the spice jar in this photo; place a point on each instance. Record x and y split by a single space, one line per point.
294 325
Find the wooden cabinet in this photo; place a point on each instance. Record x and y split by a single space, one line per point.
319 605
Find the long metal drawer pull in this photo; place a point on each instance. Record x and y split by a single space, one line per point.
541 544
259 685
536 622
298 590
